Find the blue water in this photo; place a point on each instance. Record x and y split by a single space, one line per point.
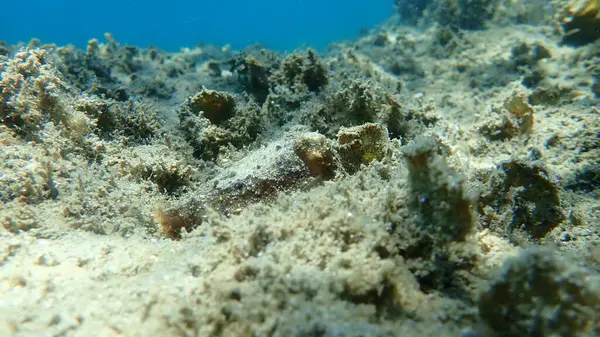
280 25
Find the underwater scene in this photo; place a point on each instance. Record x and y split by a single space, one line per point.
300 168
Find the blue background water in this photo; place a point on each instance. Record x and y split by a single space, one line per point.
281 25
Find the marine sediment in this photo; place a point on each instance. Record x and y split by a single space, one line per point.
438 176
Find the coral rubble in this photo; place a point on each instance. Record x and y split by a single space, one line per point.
440 175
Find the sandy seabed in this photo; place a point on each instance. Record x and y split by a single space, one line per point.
415 182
